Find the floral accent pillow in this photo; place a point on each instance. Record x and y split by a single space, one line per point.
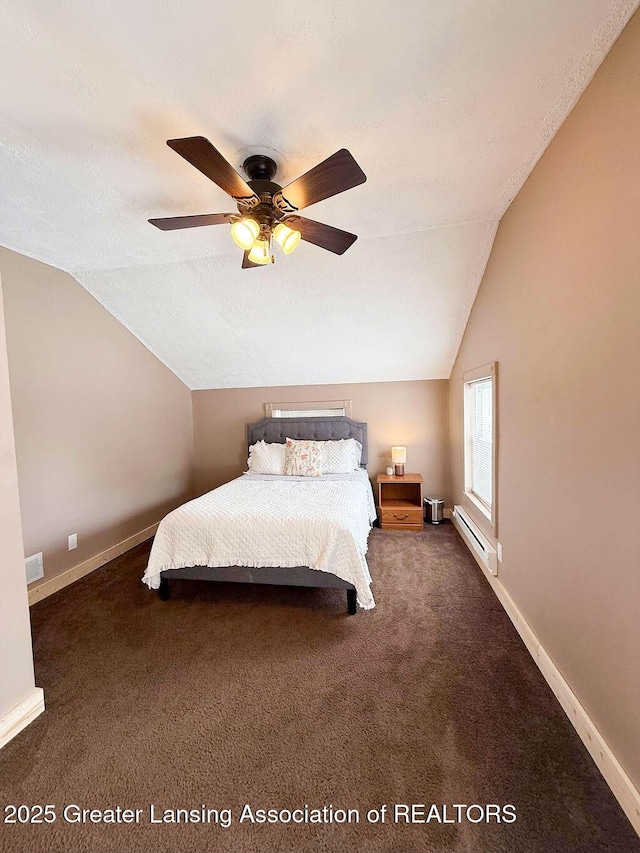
303 458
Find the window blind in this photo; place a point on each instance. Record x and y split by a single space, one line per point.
308 413
309 409
481 439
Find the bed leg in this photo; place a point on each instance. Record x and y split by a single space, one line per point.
351 602
163 590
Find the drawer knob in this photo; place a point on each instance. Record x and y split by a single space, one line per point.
400 517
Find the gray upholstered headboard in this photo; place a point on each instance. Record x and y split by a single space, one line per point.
276 430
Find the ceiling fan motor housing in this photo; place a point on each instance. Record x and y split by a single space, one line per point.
261 171
259 167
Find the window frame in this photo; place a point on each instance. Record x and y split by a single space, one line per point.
308 409
470 377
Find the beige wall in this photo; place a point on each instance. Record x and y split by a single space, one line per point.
16 662
103 430
559 308
410 413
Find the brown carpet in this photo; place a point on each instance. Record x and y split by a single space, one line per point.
227 695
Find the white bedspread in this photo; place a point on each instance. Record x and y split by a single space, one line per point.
262 520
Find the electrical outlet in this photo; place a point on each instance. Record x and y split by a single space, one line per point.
73 541
499 550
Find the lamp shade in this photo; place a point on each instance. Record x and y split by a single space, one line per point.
287 237
260 253
398 455
244 232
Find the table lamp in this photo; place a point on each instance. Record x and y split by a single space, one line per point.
399 457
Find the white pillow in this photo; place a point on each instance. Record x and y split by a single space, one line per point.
341 457
267 458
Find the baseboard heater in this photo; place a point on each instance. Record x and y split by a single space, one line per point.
483 550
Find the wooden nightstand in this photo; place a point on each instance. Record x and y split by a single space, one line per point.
400 502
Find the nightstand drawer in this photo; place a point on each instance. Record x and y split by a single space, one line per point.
401 515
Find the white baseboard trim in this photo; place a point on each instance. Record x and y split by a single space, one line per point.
48 587
20 716
614 775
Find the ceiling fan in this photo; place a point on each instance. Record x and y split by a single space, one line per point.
265 209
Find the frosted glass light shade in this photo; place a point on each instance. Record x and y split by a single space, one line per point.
260 253
287 237
244 232
398 455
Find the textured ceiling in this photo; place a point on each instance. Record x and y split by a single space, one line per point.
446 105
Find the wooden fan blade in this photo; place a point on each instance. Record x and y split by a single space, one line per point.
170 223
334 175
325 236
200 153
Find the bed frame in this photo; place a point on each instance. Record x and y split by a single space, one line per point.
276 430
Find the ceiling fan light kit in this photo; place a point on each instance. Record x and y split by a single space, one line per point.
260 253
265 209
288 238
244 232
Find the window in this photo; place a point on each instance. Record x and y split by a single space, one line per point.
322 409
480 439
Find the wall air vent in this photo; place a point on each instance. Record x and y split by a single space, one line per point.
34 567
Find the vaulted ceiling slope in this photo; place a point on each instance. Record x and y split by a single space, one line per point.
446 105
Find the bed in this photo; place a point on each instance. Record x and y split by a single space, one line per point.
277 530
